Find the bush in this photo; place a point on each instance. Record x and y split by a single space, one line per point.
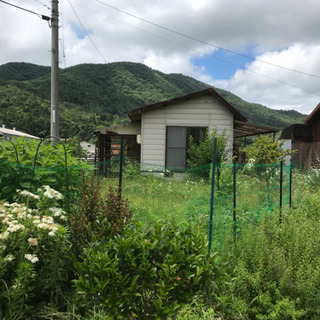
148 275
266 150
200 155
34 269
278 267
93 217
30 173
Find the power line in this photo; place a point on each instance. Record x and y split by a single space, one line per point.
202 53
43 4
208 43
87 33
43 17
62 40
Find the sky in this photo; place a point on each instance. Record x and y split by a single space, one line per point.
264 51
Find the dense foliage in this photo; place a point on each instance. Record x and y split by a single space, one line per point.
29 164
162 270
96 95
265 149
34 269
96 217
146 275
201 154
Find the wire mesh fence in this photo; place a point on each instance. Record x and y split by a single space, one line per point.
243 193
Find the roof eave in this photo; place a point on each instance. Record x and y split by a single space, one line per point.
135 114
312 114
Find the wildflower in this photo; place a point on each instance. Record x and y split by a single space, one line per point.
28 194
47 219
33 241
9 258
51 234
15 227
4 235
57 212
52 194
31 257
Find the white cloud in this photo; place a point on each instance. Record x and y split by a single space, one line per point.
280 88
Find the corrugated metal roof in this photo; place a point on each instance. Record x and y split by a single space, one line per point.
15 133
246 129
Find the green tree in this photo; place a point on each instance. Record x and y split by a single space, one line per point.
267 150
200 155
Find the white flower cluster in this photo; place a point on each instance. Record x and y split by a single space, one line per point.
46 223
15 218
51 193
33 241
14 209
58 212
31 257
28 194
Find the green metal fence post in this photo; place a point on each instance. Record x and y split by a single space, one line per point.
234 201
121 166
290 184
280 203
214 158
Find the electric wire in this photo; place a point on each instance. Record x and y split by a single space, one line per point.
62 38
43 17
87 33
43 4
202 53
208 43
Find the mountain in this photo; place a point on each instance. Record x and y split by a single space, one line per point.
96 95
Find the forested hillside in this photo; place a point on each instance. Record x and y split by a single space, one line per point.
96 95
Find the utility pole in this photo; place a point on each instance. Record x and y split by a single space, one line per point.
55 70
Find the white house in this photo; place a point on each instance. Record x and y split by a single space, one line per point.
9 134
159 133
88 147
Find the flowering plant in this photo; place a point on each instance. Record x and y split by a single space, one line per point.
33 239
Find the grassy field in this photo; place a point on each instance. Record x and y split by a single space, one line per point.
271 271
188 200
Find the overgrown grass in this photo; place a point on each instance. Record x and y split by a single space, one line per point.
270 272
188 200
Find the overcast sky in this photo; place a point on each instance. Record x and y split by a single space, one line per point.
265 51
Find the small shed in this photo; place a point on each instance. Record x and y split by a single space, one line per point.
305 139
158 134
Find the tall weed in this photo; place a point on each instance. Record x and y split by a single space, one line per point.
278 272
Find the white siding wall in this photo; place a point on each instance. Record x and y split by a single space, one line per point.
200 112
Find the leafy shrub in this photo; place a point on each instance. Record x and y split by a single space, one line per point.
34 269
131 168
224 177
278 267
200 155
148 275
27 172
94 216
266 150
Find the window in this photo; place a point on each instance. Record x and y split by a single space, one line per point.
178 143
